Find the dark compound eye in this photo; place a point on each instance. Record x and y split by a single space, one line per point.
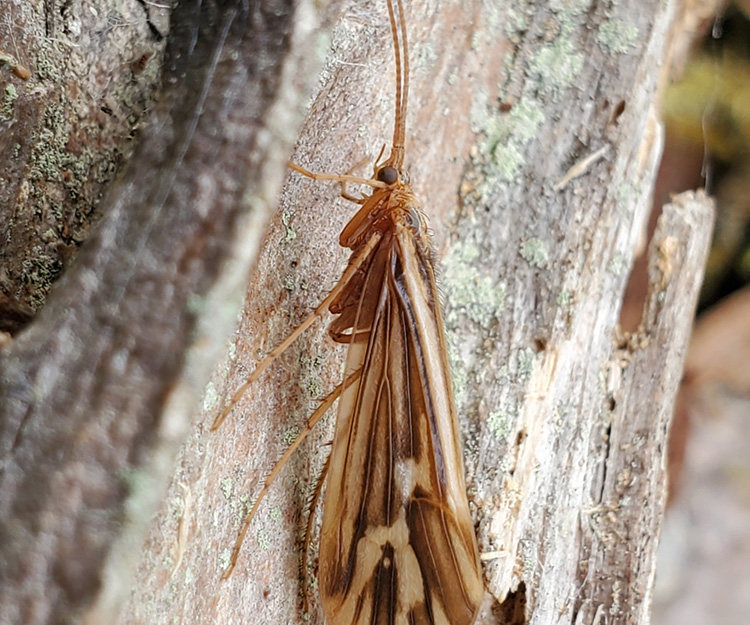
388 174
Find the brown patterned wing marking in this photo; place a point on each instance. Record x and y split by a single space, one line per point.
397 545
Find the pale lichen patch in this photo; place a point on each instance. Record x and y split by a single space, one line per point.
459 375
617 36
500 424
470 293
9 97
554 67
225 559
618 264
534 251
289 233
226 487
264 542
210 397
564 299
506 135
290 435
517 128
525 360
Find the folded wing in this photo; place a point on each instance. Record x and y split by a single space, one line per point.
397 544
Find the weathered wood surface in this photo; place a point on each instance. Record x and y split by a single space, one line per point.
95 72
564 424
97 394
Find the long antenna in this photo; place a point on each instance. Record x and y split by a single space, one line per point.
401 51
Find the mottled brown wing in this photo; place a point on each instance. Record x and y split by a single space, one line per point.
397 545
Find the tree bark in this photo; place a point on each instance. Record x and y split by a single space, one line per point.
98 393
93 73
564 422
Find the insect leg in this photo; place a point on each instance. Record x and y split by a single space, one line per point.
308 531
344 193
343 178
347 275
351 198
311 422
19 70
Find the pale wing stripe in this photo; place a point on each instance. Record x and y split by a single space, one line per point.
423 310
415 302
